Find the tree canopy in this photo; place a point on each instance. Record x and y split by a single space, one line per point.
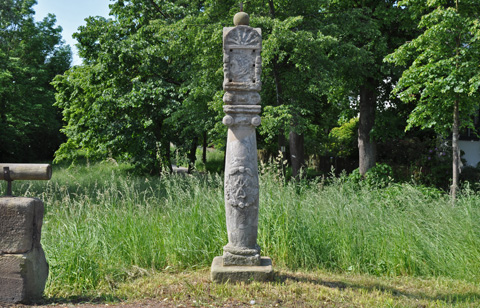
145 82
443 74
31 54
152 76
153 73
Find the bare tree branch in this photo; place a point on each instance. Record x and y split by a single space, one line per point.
158 9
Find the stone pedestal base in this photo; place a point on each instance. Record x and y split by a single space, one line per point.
239 260
221 273
23 276
23 267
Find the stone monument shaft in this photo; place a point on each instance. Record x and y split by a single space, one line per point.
242 69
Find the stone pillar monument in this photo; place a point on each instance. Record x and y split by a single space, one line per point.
241 260
23 267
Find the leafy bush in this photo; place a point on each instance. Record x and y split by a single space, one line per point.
343 139
379 176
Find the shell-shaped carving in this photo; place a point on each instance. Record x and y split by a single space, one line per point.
243 35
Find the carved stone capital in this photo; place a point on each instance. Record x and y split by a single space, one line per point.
228 120
242 115
256 121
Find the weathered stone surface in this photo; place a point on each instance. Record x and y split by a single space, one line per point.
241 98
241 18
230 259
221 273
20 224
23 276
242 63
23 267
26 171
242 67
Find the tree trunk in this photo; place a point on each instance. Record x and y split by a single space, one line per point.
282 142
161 156
456 152
168 156
297 153
204 152
272 8
455 135
278 90
367 149
192 156
3 124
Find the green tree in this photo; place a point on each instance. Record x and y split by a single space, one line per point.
31 54
146 81
297 76
153 75
443 74
366 31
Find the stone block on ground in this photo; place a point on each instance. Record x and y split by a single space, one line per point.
221 273
23 276
20 224
23 267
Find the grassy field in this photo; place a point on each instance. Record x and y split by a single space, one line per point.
112 235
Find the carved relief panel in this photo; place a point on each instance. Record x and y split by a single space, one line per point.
242 60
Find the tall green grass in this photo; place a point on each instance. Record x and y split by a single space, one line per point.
104 226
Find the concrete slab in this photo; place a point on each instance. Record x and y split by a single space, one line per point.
221 273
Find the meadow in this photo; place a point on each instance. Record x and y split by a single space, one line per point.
107 230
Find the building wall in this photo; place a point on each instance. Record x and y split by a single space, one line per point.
472 151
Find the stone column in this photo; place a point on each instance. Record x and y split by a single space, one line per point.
242 70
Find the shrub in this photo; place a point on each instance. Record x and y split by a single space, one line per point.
379 176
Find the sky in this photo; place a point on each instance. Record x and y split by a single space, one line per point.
70 15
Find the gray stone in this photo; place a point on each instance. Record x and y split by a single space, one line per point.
20 224
23 267
242 68
23 276
221 273
241 18
242 71
230 259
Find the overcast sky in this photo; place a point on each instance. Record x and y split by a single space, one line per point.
70 15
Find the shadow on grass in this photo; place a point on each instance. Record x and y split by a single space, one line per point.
75 300
449 298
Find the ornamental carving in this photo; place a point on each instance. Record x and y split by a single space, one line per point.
242 63
243 36
241 187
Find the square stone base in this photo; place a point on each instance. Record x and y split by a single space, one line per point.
221 273
20 224
22 276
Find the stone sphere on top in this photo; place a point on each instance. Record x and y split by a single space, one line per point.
241 19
